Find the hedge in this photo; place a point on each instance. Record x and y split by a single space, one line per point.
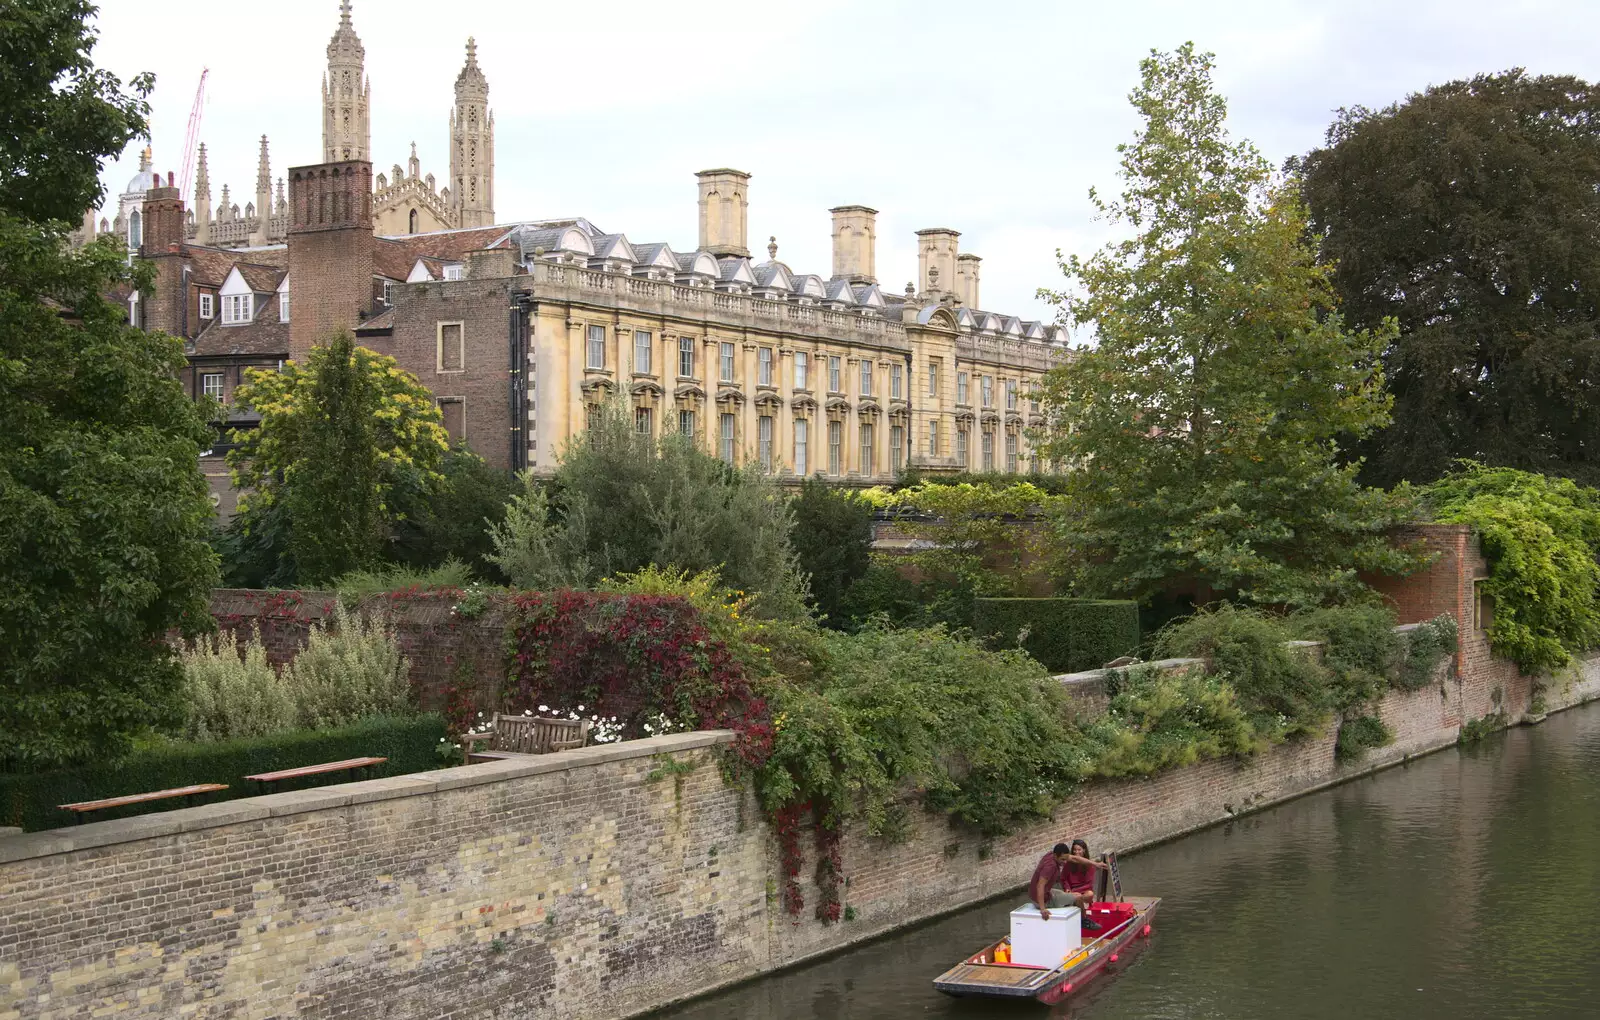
1066 635
29 799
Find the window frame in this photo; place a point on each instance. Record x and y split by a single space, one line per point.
238 309
800 370
208 307
727 437
594 349
205 384
963 387
765 430
643 344
986 389
439 345
963 446
686 357
727 362
802 442
644 416
835 448
835 374
866 377
897 447
867 437
686 417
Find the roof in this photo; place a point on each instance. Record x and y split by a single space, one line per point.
211 266
263 336
261 279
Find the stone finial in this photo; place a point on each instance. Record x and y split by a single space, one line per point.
344 12
144 159
282 204
911 290
414 164
772 247
263 171
472 51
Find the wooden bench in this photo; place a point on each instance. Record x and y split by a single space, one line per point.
83 808
511 736
348 765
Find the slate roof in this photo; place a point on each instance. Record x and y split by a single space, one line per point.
263 336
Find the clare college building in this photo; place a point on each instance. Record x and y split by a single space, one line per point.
522 329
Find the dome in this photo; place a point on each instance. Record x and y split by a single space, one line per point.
144 180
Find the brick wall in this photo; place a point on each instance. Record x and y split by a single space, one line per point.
330 250
478 384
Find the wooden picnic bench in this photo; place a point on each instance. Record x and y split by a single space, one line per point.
511 736
83 808
348 765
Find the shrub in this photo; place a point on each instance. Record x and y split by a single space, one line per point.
1425 647
351 668
1358 734
230 695
29 799
1541 536
1159 720
1283 689
1361 650
1066 635
359 585
619 502
832 539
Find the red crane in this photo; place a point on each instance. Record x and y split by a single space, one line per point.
192 137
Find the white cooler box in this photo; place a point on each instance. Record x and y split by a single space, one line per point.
1040 943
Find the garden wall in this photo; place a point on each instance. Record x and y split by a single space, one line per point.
597 883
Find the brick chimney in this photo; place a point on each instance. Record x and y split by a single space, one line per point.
162 245
330 250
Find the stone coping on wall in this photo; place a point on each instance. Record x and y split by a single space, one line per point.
167 823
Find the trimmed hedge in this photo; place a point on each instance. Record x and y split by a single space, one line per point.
29 799
1066 635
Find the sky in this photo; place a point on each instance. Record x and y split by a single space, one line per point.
991 118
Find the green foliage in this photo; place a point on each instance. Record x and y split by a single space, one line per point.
230 695
1541 536
1466 213
619 502
1159 720
29 799
884 594
1361 650
1065 635
1282 688
103 511
351 668
335 437
449 520
1358 734
1205 421
360 585
1052 485
1474 730
980 735
254 548
1426 646
832 539
989 538
60 115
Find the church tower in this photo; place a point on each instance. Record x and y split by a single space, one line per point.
472 147
346 95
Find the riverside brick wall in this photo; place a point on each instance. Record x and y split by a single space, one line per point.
590 883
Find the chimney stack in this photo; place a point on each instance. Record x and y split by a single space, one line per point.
163 217
724 211
330 250
855 243
967 279
936 261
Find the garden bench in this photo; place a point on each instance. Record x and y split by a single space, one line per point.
268 779
83 808
511 736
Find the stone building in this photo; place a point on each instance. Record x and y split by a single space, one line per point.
522 329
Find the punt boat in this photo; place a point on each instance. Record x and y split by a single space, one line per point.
981 975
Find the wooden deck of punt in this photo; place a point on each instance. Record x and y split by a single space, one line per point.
974 976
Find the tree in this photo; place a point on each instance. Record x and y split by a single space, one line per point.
832 539
620 502
451 519
1468 214
1202 423
335 437
103 509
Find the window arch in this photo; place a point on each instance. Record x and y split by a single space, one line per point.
413 229
135 229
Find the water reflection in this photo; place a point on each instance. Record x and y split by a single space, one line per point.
1466 884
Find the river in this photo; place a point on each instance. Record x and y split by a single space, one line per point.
1465 884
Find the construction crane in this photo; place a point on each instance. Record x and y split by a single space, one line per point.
192 137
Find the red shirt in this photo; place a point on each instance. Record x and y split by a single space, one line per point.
1078 877
1049 872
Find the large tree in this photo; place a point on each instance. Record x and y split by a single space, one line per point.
103 510
1471 214
336 437
1201 424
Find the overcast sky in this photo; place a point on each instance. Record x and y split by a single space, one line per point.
992 118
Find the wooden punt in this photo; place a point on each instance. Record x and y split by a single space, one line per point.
980 975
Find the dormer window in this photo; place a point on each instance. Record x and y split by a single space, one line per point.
237 309
207 309
388 293
283 302
453 272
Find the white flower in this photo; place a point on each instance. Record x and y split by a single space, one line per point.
544 708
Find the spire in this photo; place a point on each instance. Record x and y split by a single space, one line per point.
224 211
414 165
280 206
202 200
472 147
263 174
144 160
346 95
202 181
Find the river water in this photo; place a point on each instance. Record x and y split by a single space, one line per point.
1465 884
